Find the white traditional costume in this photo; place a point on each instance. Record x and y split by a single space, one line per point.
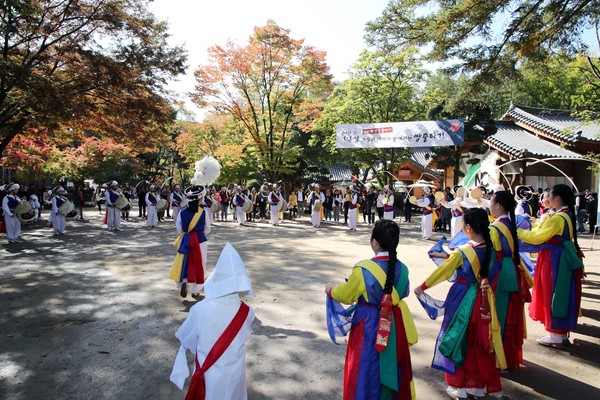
176 198
216 331
388 204
274 199
426 203
113 213
315 215
58 220
352 210
9 202
151 199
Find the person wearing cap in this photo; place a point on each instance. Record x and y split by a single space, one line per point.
388 204
352 209
216 331
274 199
59 220
9 202
238 201
152 199
426 202
207 201
177 197
113 213
189 267
314 196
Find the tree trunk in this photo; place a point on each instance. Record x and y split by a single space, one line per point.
12 133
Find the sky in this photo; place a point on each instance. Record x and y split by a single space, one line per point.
334 26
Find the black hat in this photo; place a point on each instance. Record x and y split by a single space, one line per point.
524 193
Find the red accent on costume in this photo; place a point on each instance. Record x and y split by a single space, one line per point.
105 217
403 356
355 344
385 323
195 267
197 390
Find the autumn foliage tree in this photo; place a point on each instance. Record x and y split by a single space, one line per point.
70 67
261 85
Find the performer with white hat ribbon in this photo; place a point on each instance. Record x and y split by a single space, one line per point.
388 204
9 202
177 197
238 201
216 331
59 220
151 199
426 202
274 199
314 196
352 209
113 213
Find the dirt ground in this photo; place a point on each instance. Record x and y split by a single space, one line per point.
91 315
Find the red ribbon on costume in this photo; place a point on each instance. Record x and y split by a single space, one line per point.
197 390
385 323
195 274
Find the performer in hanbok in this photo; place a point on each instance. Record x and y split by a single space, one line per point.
113 213
189 267
177 197
216 331
457 207
207 202
9 202
314 196
426 202
523 195
58 220
274 199
511 283
388 204
238 202
469 346
378 364
556 296
151 199
352 204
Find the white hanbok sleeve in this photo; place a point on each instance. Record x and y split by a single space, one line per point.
519 210
54 206
424 202
178 224
188 336
206 221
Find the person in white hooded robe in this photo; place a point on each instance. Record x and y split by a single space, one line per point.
222 313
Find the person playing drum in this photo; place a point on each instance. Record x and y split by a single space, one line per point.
176 198
113 213
152 199
315 210
238 201
59 220
9 202
274 199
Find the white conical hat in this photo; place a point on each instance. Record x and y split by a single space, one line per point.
229 276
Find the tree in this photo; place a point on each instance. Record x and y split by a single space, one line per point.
262 85
382 87
84 65
220 136
466 31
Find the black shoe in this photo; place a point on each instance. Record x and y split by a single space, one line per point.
183 290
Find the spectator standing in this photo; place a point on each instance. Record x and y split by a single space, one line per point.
592 210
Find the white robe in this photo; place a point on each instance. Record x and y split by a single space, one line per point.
58 220
113 214
315 216
352 212
426 228
13 225
151 210
389 214
456 223
226 378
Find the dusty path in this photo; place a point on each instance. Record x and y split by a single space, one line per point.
90 315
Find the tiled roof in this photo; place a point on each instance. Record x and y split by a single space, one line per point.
516 141
422 156
340 172
562 125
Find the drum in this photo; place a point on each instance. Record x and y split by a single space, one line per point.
161 205
23 208
127 208
461 192
317 206
282 205
71 214
184 203
214 207
247 207
412 200
66 208
26 217
121 203
476 194
439 196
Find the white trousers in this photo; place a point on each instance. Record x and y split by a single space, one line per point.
58 223
456 225
388 215
197 287
13 227
426 228
239 213
352 218
113 217
315 217
152 216
274 215
175 211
